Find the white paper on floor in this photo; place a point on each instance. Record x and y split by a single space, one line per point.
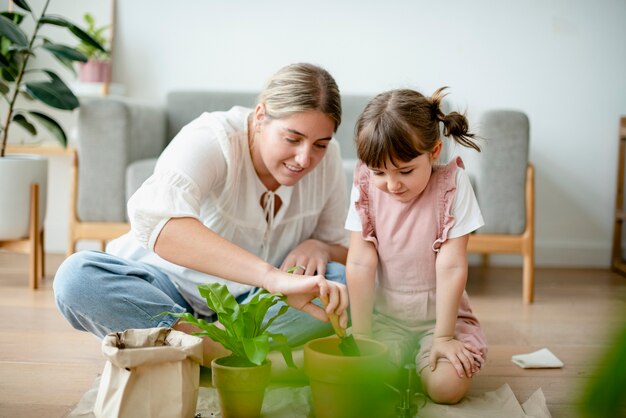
540 359
293 402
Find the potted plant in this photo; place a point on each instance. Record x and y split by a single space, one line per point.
19 84
348 386
241 377
97 69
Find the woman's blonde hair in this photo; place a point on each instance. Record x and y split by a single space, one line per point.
400 125
301 87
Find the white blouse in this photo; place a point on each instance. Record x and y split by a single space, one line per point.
206 173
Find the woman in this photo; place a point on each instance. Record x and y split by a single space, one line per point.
237 197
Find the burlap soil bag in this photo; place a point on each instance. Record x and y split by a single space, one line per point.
149 373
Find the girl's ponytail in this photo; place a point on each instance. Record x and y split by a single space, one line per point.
455 124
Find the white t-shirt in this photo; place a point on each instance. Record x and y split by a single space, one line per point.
465 209
206 173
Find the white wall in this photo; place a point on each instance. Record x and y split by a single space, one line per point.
560 61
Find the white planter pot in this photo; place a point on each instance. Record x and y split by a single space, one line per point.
17 173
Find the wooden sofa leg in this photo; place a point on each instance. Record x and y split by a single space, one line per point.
71 245
528 274
34 237
41 258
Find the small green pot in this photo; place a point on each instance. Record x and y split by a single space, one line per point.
240 388
348 387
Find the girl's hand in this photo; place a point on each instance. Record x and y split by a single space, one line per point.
301 290
310 254
465 358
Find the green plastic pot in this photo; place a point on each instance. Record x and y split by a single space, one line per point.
241 389
348 387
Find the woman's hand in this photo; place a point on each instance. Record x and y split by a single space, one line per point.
301 290
465 358
310 254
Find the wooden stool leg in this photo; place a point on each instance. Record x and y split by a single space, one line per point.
34 236
71 238
41 271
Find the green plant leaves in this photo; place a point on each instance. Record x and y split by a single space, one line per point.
257 348
13 32
98 34
80 34
225 306
51 125
54 92
22 4
281 344
4 62
244 333
218 298
65 52
24 123
46 121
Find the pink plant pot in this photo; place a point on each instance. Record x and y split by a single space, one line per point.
94 71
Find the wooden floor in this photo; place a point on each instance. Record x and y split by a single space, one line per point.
45 366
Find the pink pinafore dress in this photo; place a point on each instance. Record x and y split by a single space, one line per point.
407 237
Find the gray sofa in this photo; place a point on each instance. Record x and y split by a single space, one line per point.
120 139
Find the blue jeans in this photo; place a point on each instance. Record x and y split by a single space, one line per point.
101 293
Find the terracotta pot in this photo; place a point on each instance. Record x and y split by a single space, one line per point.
348 387
17 173
94 71
240 388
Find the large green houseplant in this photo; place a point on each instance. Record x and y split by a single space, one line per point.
21 83
18 78
241 377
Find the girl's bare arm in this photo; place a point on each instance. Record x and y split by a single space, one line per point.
361 277
451 270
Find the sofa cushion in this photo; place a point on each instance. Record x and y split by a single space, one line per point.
184 106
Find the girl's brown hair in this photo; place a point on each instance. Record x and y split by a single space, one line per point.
400 125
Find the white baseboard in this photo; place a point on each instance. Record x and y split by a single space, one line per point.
558 254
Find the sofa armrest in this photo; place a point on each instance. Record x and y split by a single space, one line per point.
501 180
112 133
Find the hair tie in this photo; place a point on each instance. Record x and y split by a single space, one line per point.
437 114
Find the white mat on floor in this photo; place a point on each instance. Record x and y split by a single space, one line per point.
293 402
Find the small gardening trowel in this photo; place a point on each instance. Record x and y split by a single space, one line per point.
347 344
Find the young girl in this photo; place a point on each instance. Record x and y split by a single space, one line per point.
410 219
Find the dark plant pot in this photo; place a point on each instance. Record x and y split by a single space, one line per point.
348 387
94 71
240 388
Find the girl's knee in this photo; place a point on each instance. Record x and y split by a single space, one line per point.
445 387
447 394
